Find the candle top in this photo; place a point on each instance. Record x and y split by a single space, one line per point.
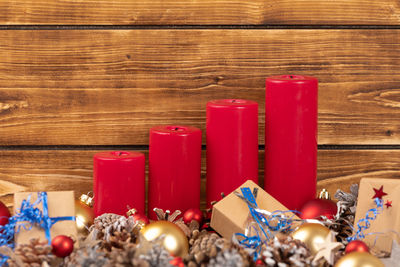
174 129
118 155
292 79
236 103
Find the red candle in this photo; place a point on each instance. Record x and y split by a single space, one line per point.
232 145
174 168
291 139
119 182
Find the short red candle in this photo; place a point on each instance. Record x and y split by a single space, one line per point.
119 182
232 145
174 168
291 139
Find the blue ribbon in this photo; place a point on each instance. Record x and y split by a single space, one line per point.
264 222
364 223
47 222
252 204
28 216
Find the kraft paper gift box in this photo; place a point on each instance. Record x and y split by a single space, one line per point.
60 204
387 222
231 214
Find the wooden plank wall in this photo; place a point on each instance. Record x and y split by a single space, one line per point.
78 77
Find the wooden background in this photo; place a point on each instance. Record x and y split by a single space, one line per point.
78 77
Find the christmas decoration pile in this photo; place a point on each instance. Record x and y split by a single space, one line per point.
325 237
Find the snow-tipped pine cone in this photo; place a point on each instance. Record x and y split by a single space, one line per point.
105 225
285 251
227 257
86 257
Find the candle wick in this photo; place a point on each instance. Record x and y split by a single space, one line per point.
167 214
233 101
176 129
291 76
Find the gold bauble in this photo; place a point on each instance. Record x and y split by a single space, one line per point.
312 234
84 217
359 259
175 240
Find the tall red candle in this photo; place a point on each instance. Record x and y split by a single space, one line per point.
232 145
174 168
291 139
119 181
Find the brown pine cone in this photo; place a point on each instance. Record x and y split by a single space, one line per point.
118 240
206 246
124 257
342 229
344 219
167 216
33 254
285 251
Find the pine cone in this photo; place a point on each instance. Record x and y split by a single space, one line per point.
86 257
105 225
145 254
284 251
206 243
342 227
167 216
229 257
118 240
344 220
124 257
157 256
33 254
206 246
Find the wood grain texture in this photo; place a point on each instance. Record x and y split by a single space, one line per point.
109 87
205 12
72 170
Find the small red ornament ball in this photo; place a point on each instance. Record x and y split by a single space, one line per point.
315 208
193 214
4 214
138 217
62 246
356 246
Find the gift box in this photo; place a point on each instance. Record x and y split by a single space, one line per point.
60 207
382 231
231 214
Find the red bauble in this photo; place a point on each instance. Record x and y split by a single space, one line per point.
62 246
138 217
4 214
315 208
356 246
259 262
193 214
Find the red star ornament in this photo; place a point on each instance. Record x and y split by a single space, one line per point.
379 193
388 204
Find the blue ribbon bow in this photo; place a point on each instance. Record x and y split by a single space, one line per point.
275 221
28 216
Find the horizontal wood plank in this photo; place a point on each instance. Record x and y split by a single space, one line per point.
109 87
205 12
72 170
